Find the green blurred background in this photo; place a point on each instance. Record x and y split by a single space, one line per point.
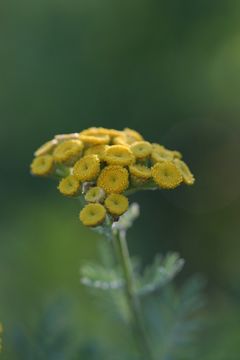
169 69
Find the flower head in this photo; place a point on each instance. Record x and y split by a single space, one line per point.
141 149
98 165
93 215
113 179
166 175
95 194
67 152
42 165
116 204
87 168
118 155
69 186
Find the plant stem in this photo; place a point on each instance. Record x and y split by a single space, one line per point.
137 323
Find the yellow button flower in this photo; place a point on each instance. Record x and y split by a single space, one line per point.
95 139
98 150
93 215
68 152
166 175
46 148
63 137
140 171
87 168
188 177
95 131
119 155
141 149
116 204
120 140
160 153
42 165
95 194
133 134
113 179
69 186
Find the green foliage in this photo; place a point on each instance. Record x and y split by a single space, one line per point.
175 318
172 320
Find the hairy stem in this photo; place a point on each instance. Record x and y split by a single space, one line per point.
137 323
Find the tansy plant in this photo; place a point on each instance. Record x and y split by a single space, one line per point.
102 168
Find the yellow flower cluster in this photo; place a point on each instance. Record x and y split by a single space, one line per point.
103 165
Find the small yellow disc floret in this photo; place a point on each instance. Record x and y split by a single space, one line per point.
113 179
68 152
188 177
69 186
119 155
93 215
87 168
116 204
166 175
42 165
141 149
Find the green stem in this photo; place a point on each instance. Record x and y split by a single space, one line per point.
137 323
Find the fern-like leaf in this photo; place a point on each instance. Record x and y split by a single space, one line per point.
97 276
159 273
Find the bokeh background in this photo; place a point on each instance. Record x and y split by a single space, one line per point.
169 69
